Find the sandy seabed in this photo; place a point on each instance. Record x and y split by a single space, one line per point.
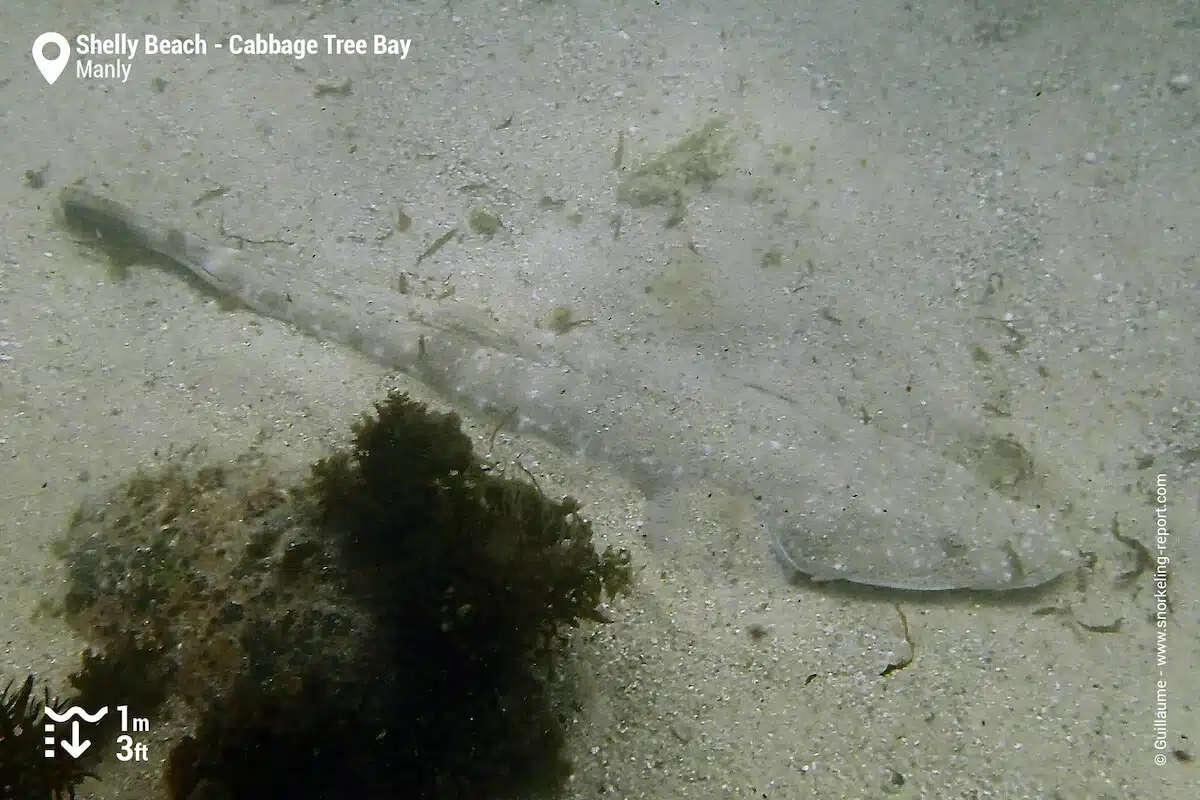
996 198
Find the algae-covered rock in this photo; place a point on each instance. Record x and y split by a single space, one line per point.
385 627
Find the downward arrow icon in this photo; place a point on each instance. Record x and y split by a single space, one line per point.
75 748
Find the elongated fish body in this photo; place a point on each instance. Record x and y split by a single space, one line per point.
838 500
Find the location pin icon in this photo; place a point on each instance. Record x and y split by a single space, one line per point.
51 68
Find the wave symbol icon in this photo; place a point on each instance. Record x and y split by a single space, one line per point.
76 711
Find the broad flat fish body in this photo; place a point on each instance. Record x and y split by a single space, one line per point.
838 500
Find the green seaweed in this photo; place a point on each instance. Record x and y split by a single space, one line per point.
697 161
561 320
485 223
438 244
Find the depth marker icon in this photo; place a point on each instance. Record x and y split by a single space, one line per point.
74 747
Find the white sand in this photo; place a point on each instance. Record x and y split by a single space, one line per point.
952 166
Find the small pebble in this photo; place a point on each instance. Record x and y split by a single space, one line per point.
1180 82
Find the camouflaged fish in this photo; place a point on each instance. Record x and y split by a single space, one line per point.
837 500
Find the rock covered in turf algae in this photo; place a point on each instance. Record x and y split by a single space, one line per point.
384 628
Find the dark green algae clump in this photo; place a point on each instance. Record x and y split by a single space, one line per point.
388 626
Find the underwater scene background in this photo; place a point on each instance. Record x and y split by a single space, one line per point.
761 400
